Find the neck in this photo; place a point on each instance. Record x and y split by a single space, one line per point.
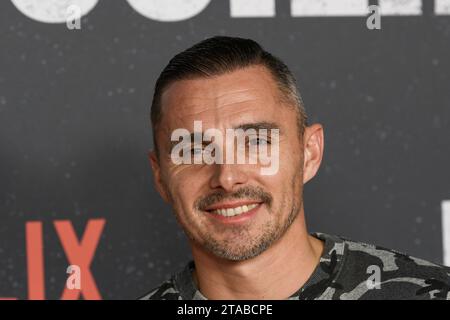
276 273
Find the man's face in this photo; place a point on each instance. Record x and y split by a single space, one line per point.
265 205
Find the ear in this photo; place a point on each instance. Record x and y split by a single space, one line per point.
156 168
313 144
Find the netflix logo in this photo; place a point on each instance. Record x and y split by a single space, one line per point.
79 252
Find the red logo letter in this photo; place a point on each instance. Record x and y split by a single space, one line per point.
81 254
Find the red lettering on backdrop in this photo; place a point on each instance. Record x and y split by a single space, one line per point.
81 254
35 260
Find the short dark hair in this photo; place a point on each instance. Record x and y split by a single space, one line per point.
219 55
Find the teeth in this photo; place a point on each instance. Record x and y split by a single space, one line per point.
230 212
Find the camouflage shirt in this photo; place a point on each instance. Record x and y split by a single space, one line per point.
347 270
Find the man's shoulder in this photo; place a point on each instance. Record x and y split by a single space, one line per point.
180 286
392 260
396 275
165 291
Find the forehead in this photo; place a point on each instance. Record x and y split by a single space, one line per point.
245 90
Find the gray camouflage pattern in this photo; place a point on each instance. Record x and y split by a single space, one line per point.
345 272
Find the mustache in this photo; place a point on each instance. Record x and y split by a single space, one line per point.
248 193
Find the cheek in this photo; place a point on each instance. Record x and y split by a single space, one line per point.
184 187
291 157
287 182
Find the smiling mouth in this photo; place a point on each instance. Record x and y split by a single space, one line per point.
235 211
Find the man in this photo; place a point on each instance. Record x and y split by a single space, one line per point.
246 229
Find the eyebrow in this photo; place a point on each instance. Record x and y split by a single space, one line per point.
245 126
259 125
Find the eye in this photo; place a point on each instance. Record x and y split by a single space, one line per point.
258 141
196 150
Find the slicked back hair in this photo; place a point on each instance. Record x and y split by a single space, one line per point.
220 55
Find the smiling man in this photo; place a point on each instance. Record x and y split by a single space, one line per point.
247 229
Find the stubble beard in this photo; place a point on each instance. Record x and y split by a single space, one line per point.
241 245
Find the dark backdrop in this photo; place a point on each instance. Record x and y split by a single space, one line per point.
74 133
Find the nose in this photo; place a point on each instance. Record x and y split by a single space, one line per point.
228 177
